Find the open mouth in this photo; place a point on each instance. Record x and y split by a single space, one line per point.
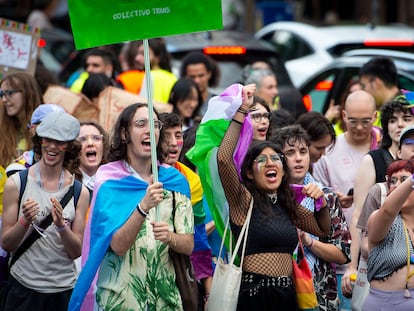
271 174
91 155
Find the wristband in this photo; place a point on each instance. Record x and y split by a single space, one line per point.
310 245
238 122
173 240
23 223
60 229
241 110
141 211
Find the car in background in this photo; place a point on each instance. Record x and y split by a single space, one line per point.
306 49
232 51
331 83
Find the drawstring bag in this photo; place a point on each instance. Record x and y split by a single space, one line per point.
303 280
225 288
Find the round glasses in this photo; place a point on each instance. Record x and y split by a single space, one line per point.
141 123
96 138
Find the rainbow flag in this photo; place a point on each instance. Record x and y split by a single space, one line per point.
210 133
116 195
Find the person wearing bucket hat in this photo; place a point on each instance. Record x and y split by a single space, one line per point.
28 158
51 181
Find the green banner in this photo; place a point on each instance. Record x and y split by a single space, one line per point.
102 22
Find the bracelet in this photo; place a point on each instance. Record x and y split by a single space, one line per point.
60 229
141 211
173 240
310 245
238 122
241 110
23 223
205 297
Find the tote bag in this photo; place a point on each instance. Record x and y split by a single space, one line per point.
303 279
225 288
361 287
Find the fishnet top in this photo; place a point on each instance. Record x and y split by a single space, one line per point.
276 260
391 255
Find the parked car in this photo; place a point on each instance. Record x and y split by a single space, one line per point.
306 49
232 50
331 82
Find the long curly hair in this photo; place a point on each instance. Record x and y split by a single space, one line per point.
285 195
13 128
118 145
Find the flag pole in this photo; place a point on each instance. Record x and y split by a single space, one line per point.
153 143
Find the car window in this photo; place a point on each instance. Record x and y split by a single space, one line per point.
231 67
318 89
288 45
405 83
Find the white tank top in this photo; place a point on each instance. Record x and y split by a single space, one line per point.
45 266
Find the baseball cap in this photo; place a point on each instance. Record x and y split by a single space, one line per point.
59 126
42 111
405 133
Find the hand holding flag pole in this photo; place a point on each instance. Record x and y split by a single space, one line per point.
153 143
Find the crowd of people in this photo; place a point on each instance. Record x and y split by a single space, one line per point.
88 217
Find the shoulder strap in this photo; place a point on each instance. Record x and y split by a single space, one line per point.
173 208
383 192
23 181
77 188
44 224
381 158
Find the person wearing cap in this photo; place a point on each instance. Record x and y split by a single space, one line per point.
395 116
43 277
28 158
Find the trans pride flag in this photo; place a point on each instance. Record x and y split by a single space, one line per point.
210 133
116 195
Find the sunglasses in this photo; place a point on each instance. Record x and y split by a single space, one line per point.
8 93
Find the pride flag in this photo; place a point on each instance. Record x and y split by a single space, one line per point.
210 133
116 195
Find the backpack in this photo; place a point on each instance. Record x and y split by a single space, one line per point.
77 187
5 262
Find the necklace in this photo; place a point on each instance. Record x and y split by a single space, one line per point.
272 197
39 177
407 293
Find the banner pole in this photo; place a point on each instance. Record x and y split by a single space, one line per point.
153 143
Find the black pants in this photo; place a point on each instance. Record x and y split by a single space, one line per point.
20 298
261 292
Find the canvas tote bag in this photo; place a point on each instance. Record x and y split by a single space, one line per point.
225 288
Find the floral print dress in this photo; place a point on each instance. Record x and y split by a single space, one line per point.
144 276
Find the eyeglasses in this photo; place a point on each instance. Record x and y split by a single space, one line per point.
96 138
8 93
394 180
141 123
257 117
275 158
364 122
